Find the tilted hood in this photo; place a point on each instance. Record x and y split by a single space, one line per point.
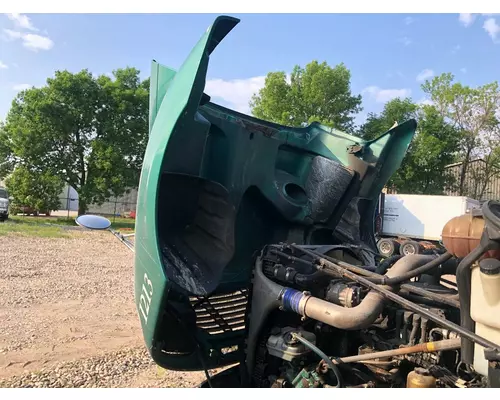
216 186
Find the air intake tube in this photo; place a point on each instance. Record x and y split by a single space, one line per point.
267 296
359 317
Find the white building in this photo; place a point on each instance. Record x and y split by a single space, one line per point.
68 199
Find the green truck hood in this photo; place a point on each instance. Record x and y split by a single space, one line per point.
216 186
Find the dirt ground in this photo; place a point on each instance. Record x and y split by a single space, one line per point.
68 316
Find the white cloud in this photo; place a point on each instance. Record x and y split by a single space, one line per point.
385 95
466 19
22 21
409 20
37 42
406 41
12 34
491 26
425 102
21 86
455 49
3 65
236 93
425 74
31 41
463 70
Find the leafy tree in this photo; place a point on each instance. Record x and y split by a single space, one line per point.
473 112
397 110
482 174
433 148
423 168
317 92
6 162
91 132
34 189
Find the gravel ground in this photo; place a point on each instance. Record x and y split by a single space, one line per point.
68 316
124 368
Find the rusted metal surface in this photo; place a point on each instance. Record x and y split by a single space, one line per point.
427 245
429 347
432 296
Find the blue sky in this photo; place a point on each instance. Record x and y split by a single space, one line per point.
387 54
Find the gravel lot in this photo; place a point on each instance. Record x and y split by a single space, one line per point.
68 316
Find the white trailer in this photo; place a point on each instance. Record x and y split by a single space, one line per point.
411 222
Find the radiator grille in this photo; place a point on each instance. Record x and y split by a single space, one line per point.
221 313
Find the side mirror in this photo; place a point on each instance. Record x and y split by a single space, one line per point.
96 222
93 222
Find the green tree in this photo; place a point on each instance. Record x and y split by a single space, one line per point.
473 112
317 92
433 147
35 189
91 132
6 156
397 110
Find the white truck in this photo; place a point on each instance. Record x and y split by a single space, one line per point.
409 223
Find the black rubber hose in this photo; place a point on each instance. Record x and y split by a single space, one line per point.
448 268
327 359
388 262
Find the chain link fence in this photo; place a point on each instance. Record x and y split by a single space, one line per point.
122 206
114 207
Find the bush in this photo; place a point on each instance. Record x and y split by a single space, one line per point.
37 190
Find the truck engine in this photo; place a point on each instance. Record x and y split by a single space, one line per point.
320 317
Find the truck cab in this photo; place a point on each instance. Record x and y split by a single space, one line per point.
4 204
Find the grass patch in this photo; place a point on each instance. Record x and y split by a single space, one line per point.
117 223
32 230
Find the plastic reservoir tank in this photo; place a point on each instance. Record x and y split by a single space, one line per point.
485 307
